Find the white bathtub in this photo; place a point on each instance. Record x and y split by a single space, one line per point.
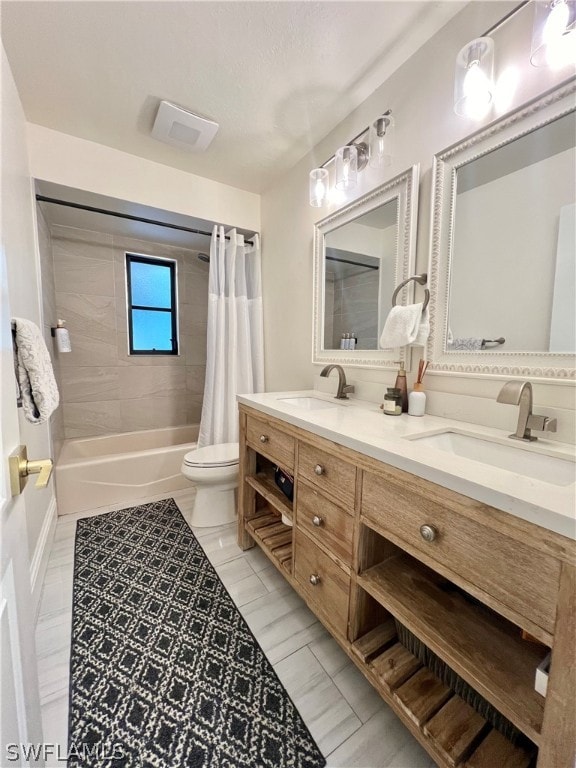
97 471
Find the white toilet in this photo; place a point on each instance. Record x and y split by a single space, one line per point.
214 471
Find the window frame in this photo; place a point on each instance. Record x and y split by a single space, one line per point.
173 309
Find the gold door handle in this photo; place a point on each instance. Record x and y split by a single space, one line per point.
20 468
41 467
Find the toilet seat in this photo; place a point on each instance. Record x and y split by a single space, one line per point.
223 455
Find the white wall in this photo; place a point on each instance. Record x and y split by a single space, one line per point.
19 239
73 162
420 94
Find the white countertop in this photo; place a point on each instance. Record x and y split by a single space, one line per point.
363 427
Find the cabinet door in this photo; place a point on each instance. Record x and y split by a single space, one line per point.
329 473
514 574
325 522
271 442
326 586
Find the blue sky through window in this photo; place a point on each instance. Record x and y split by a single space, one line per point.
150 285
152 311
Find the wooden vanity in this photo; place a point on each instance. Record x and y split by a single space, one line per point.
378 554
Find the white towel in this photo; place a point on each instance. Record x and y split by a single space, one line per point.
38 388
401 326
466 344
423 330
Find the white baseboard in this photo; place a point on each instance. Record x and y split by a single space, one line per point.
40 558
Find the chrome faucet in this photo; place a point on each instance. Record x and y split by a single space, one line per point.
520 393
343 388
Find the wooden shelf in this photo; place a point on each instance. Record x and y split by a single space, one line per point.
477 644
274 537
268 489
452 730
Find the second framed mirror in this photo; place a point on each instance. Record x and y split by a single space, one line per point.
361 253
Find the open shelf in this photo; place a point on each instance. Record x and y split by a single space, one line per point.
267 488
274 537
455 732
480 646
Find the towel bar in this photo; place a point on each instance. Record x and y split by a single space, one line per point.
421 280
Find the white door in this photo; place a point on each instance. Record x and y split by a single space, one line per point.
20 721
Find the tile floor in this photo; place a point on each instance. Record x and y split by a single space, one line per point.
351 724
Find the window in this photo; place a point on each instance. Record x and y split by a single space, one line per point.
152 321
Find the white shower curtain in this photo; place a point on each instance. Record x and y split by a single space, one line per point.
235 343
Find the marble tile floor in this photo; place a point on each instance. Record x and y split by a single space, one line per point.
349 721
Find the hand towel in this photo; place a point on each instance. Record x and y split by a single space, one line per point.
423 330
401 326
38 388
466 344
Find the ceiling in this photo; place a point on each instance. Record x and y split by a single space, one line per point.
277 76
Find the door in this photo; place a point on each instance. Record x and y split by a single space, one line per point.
20 721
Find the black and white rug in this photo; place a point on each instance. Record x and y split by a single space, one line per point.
164 670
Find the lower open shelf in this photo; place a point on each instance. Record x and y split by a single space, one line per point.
454 730
274 537
477 644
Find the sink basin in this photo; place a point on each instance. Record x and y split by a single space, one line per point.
514 458
308 403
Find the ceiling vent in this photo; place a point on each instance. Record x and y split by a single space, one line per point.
183 129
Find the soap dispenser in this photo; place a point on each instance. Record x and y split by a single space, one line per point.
402 385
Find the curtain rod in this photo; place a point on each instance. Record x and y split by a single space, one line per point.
91 209
349 261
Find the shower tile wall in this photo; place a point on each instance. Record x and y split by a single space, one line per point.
356 309
50 317
104 389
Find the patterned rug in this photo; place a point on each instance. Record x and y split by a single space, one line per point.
164 670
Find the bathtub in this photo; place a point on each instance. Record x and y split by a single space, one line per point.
112 469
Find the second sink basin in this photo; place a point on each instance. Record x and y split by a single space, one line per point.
520 459
308 403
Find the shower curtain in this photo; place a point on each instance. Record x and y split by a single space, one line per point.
235 342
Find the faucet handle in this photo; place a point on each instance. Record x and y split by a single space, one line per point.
349 388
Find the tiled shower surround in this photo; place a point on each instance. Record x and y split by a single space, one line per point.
103 389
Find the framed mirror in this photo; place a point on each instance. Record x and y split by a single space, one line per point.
361 253
502 259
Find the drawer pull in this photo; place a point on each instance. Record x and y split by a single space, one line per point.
264 438
428 532
314 579
317 521
319 469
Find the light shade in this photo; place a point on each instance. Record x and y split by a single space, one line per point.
318 187
554 34
381 141
346 167
474 79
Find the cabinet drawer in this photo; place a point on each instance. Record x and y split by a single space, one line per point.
514 574
270 442
329 473
329 595
325 522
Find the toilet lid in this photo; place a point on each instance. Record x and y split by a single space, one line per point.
223 455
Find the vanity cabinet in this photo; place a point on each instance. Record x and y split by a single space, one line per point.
445 604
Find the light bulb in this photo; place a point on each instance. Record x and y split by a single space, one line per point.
318 187
556 22
473 84
346 167
554 34
477 91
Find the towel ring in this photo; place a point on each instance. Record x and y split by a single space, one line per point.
421 280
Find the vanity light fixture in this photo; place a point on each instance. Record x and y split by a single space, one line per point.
554 33
474 81
380 141
351 158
